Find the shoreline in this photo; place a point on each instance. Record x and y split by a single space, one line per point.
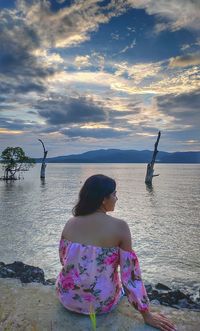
159 294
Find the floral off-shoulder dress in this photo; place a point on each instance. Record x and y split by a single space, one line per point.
89 279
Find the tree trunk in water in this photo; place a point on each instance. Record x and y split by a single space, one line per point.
150 166
43 166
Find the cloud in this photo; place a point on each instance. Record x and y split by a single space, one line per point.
48 58
178 13
138 72
185 46
138 79
177 81
98 60
185 110
9 132
70 110
97 133
33 27
185 60
184 104
8 124
64 93
68 26
22 85
20 72
115 36
85 117
133 44
82 61
92 116
27 65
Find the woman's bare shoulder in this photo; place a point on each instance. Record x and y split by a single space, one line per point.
119 224
116 221
67 225
124 234
69 221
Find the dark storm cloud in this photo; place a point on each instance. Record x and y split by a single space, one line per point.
70 110
21 86
185 110
2 99
10 124
60 112
183 106
20 71
97 133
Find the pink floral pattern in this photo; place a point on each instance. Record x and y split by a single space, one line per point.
89 278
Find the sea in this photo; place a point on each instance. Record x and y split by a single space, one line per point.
164 219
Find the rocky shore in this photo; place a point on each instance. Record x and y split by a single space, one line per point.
28 303
159 294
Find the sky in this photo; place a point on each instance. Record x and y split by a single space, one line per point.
87 74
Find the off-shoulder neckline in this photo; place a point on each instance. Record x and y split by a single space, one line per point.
93 246
87 245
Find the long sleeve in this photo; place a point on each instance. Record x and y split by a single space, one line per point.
132 280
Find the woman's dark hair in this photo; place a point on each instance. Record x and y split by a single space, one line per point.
92 194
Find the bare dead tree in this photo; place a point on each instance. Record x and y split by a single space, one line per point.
150 166
43 166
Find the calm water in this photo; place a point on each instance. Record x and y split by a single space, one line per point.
164 221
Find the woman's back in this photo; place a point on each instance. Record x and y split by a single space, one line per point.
97 229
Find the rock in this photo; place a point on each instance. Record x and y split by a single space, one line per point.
167 299
163 287
149 288
155 302
153 295
176 298
7 273
50 281
194 306
179 295
183 303
26 273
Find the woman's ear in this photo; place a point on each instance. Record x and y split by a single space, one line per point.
104 201
104 204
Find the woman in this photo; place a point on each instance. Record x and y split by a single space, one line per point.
93 245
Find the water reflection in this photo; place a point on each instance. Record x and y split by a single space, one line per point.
8 184
152 197
42 182
150 189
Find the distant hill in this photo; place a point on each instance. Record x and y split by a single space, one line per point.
125 156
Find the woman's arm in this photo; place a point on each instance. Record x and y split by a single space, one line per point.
135 285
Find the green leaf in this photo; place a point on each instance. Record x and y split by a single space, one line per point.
93 318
